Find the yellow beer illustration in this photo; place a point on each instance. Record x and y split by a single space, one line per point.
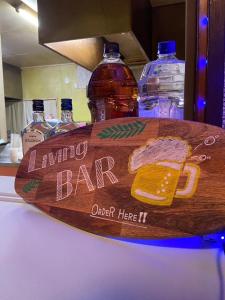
158 166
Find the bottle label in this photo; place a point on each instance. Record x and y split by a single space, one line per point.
65 127
32 138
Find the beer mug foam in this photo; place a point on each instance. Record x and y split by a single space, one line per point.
158 166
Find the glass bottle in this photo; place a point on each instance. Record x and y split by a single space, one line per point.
66 123
112 89
38 130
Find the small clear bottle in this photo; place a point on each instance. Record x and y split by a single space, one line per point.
66 123
38 130
161 86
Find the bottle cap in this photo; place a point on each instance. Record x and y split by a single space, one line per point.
38 105
111 48
167 47
66 104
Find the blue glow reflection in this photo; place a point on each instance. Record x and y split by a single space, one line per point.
201 103
204 21
202 63
215 240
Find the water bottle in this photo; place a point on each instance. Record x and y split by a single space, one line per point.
161 86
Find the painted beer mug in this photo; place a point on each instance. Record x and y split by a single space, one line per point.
158 166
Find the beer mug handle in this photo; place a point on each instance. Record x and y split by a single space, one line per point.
193 172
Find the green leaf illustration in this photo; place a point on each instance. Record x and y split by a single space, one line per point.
32 184
122 131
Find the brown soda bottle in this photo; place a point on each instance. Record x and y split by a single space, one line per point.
112 89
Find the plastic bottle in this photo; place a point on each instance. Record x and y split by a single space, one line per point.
161 86
112 89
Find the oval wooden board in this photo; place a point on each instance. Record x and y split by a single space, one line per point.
131 177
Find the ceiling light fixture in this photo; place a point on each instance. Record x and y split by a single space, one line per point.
27 13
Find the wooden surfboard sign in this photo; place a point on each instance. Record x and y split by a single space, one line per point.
130 177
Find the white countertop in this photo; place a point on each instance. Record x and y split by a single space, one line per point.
44 259
7 190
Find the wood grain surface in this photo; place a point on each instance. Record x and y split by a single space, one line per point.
130 177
